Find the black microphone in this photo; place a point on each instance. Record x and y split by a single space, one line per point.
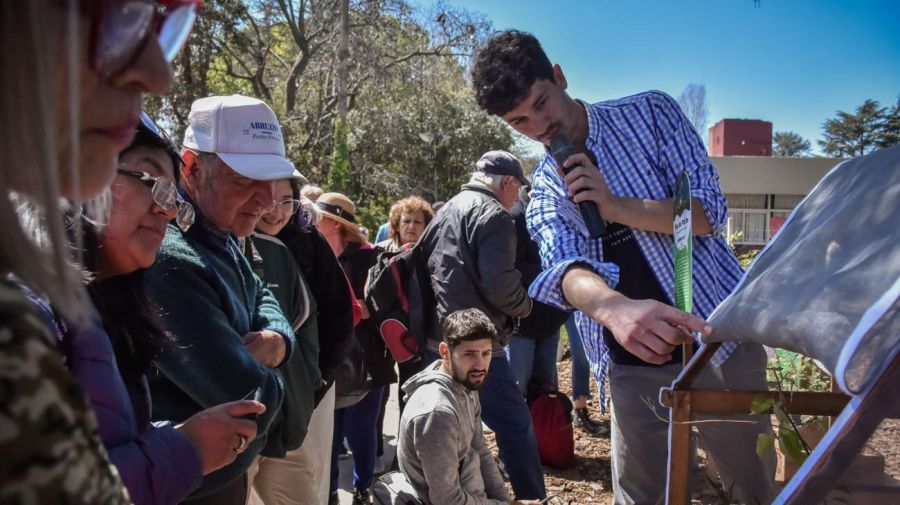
561 149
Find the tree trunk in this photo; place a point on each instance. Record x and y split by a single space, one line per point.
343 56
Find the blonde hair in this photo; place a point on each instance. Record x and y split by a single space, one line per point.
311 191
34 246
311 210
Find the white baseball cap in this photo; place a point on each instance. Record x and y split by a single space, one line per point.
244 132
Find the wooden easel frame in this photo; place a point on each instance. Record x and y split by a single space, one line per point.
684 402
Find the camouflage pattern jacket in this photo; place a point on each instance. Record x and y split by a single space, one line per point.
50 449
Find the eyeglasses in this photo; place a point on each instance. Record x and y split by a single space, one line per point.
121 28
289 204
164 194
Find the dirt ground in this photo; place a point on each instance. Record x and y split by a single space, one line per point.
886 440
589 482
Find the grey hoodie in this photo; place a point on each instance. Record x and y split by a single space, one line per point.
441 449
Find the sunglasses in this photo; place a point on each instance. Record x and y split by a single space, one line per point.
121 28
164 194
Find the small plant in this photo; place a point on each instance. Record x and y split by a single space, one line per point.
789 372
745 254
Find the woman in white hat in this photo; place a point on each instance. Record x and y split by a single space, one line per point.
357 422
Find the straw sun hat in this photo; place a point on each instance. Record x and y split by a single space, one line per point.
340 208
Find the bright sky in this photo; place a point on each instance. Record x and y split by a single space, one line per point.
792 62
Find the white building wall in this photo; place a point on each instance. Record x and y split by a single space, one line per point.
762 191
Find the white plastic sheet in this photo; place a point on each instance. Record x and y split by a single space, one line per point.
828 284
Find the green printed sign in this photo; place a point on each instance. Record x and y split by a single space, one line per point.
683 244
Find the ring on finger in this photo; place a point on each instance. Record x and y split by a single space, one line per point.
242 444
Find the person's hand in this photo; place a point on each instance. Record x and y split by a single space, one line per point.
649 329
586 183
267 346
219 434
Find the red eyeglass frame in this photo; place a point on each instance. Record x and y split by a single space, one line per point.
102 11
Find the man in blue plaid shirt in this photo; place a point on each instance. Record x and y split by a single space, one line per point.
622 284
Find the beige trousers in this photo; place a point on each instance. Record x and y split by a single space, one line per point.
640 431
303 475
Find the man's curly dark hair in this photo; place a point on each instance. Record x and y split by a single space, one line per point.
468 325
505 68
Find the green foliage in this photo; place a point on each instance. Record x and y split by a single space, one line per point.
339 179
374 215
785 431
890 134
765 443
790 145
788 372
744 255
406 75
761 404
792 445
857 134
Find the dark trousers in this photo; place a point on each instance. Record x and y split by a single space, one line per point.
357 423
407 370
232 494
379 429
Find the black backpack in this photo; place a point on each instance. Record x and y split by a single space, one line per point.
401 301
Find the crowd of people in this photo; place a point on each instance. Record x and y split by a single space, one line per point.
187 322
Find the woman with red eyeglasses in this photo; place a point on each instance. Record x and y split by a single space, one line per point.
74 73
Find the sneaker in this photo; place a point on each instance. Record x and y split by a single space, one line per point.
583 421
333 499
361 497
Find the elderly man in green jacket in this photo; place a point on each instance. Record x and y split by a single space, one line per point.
293 468
230 335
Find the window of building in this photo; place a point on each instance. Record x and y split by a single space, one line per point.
754 219
747 227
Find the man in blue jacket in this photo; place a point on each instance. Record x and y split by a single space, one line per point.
230 336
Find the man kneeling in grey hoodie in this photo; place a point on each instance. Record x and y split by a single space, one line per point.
441 450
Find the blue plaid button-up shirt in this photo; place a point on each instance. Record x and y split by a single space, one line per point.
642 144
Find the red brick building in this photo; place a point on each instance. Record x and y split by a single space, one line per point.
741 137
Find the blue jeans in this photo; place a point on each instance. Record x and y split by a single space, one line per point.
504 410
358 423
581 371
533 360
